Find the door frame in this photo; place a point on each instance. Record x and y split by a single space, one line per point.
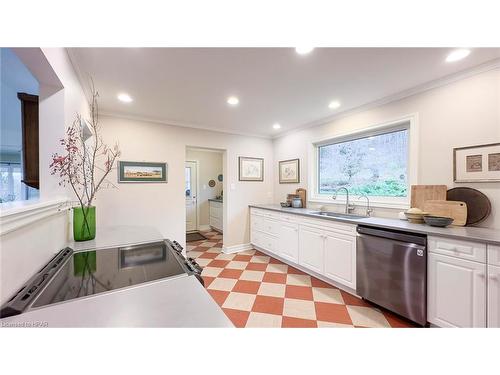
197 163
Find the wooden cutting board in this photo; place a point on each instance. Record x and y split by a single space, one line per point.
455 209
422 193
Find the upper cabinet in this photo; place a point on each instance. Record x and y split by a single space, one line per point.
29 117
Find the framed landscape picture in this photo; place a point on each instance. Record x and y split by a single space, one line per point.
136 171
477 163
289 171
251 169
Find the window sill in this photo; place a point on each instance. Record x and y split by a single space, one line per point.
362 203
14 215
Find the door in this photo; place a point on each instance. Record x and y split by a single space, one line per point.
340 258
191 196
288 244
311 246
494 296
456 292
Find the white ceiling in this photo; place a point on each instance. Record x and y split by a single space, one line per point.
189 86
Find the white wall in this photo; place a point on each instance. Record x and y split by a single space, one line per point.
463 113
163 205
25 250
209 167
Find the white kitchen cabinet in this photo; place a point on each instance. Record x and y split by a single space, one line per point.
494 296
288 241
311 248
324 247
494 255
456 292
340 258
215 215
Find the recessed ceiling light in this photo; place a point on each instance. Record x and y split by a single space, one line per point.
123 97
334 105
233 100
458 54
303 50
276 126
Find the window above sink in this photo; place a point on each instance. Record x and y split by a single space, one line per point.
379 161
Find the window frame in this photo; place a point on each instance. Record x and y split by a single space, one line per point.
409 122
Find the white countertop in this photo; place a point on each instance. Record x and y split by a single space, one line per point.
487 235
179 302
175 302
119 235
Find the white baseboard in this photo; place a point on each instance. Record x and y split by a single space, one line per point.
204 227
236 248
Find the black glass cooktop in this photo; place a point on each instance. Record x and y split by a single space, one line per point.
92 272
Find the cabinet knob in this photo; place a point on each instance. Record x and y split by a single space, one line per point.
481 274
493 277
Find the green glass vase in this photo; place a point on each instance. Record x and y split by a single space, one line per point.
84 223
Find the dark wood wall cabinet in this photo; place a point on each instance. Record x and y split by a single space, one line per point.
29 117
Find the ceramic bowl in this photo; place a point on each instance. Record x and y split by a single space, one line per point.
415 218
438 221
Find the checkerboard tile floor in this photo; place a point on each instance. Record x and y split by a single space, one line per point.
255 290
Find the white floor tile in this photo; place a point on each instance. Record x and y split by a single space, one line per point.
239 301
296 308
261 320
367 317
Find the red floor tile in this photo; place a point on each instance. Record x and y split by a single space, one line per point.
244 286
208 255
237 317
207 280
268 305
242 258
289 322
398 322
275 261
218 263
218 295
295 271
299 292
349 299
257 266
272 277
230 273
334 313
320 283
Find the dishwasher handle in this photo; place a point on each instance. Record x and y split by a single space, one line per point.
413 238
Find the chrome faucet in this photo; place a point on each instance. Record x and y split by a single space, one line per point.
348 207
369 210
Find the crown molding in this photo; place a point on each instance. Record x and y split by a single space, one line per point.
443 81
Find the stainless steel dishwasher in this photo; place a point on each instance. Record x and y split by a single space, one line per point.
391 271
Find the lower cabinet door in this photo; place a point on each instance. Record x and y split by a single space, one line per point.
340 258
311 248
456 292
494 296
288 242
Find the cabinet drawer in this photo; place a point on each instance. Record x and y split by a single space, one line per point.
271 226
264 241
494 255
216 223
330 225
215 211
457 248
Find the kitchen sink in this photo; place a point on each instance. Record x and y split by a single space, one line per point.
339 215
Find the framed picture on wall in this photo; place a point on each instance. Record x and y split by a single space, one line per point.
477 163
289 171
251 169
137 171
